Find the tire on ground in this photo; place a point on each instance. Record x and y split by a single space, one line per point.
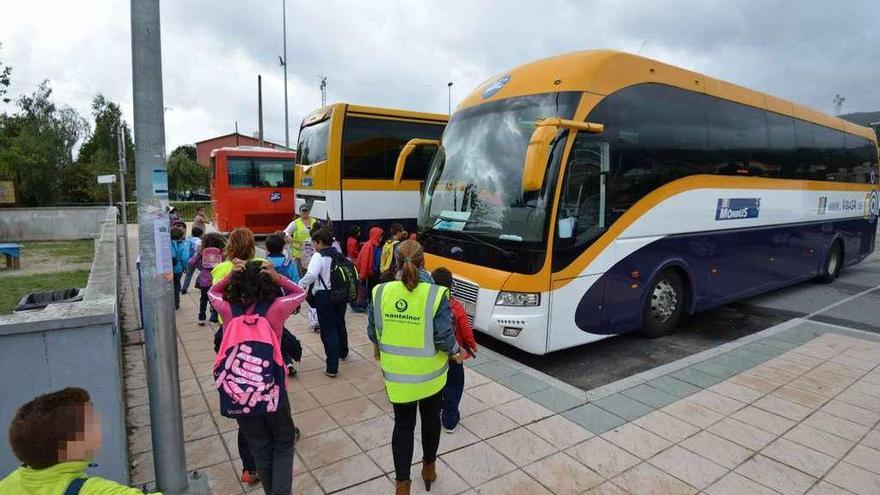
664 305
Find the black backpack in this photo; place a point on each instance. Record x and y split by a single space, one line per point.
343 278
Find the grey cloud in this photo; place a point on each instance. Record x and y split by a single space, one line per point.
401 53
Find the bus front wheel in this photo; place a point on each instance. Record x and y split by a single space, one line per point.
832 264
664 305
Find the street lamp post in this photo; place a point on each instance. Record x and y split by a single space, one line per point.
449 85
284 64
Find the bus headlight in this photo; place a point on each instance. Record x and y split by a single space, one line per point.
518 299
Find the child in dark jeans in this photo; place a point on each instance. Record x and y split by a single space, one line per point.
195 244
179 260
464 334
269 437
210 253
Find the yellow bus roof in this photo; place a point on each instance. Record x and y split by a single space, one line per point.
606 71
321 113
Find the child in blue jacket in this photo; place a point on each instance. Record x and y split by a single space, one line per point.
179 259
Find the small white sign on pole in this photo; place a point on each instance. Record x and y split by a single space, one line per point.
107 179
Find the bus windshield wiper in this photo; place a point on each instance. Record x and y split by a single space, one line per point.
507 254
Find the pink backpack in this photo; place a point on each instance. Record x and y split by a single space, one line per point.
248 370
211 257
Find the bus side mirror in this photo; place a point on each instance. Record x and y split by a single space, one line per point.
537 155
538 152
407 150
307 169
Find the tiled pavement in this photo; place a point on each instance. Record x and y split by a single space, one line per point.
791 412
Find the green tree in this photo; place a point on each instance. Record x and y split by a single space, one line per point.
184 172
36 146
5 80
99 152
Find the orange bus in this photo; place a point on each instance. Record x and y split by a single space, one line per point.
252 187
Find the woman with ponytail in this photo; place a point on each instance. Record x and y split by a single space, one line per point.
414 358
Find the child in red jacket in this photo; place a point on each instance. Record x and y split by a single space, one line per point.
464 334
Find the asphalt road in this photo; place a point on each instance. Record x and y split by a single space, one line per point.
606 361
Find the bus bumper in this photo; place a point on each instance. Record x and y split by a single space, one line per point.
522 327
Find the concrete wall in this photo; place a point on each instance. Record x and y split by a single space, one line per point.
50 224
71 344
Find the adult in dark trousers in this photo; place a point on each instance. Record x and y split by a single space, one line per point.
411 322
331 316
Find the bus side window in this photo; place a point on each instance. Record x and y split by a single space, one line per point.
581 204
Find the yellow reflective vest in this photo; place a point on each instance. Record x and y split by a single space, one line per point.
301 233
413 369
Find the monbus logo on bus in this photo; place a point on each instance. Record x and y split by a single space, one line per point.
872 205
737 208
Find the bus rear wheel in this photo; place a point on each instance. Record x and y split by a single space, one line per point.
664 305
832 264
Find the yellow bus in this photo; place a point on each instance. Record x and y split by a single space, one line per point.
598 193
346 158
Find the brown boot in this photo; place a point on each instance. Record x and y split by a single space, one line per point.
429 473
402 487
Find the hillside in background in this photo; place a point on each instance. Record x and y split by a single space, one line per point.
862 118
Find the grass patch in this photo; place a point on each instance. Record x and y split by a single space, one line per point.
12 289
79 251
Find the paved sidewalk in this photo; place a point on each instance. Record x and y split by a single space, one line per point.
791 410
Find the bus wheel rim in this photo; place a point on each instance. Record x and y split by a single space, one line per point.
832 261
664 300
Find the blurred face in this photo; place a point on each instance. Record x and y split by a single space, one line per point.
85 444
304 214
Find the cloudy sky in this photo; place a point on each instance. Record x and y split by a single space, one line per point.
401 53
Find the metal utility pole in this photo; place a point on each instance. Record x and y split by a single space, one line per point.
284 64
120 146
236 133
838 103
449 85
160 331
323 91
260 106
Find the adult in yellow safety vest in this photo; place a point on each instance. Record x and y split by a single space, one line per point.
299 230
411 322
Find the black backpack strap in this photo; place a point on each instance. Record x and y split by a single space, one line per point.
260 308
75 486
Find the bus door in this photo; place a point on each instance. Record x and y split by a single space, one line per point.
579 302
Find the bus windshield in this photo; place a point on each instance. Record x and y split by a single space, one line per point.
312 146
474 186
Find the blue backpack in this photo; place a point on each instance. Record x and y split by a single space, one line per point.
285 266
179 255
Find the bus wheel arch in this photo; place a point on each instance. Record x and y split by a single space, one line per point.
667 301
832 262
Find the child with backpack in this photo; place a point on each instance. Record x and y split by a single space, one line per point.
331 280
275 244
179 260
249 369
210 254
369 259
195 243
396 234
55 437
464 335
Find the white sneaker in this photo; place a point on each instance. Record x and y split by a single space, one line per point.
331 375
451 430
